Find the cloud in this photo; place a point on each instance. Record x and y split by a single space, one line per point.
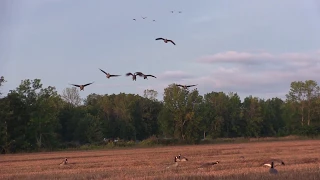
175 75
262 58
271 76
231 71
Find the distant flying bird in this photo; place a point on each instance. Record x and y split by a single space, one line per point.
272 170
276 162
166 40
171 11
143 17
108 75
134 76
185 86
154 20
145 76
180 11
134 19
207 165
81 86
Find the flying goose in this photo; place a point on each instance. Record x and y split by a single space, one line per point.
108 75
82 86
171 11
272 170
180 11
181 158
143 17
134 76
134 19
145 76
185 86
276 162
207 165
64 162
166 40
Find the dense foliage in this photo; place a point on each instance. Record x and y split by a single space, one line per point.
33 117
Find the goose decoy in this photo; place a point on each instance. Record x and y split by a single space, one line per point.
180 158
134 76
143 17
185 86
64 162
82 86
166 40
276 162
272 170
145 76
207 165
108 75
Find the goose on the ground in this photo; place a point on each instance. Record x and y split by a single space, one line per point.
175 164
276 162
82 86
64 162
181 158
207 165
272 170
166 40
108 75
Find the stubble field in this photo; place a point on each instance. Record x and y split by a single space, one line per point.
237 161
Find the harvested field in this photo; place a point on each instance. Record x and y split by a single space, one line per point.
237 161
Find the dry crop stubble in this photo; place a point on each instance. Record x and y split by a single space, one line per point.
237 161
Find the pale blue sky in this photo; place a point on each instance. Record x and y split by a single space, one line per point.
66 41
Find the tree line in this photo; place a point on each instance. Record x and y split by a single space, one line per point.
33 117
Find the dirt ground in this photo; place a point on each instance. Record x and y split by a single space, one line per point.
237 161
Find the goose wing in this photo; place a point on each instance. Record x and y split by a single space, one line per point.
75 85
172 42
160 39
103 71
129 74
180 85
87 84
113 75
151 75
139 73
191 85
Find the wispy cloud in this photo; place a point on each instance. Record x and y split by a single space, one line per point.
175 75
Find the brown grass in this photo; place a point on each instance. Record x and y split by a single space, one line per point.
237 161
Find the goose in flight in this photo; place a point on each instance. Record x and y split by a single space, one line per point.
82 86
108 75
185 86
166 40
134 76
143 17
145 76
